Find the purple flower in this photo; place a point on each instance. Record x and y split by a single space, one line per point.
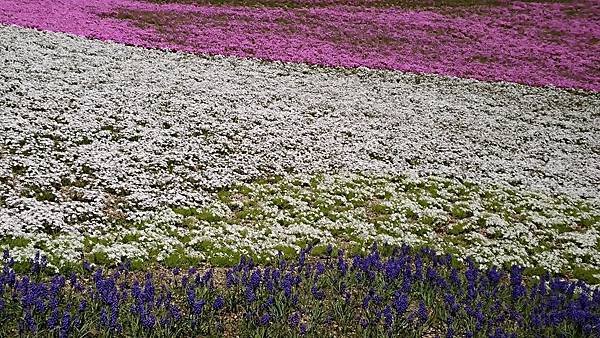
387 317
318 294
270 301
191 296
230 278
365 302
53 319
494 276
72 279
276 276
319 269
342 265
148 321
207 277
422 312
29 321
301 259
65 325
516 281
103 317
197 307
148 291
418 275
294 319
265 319
255 279
392 269
406 280
174 312
400 303
303 329
287 285
136 291
431 274
250 295
450 301
218 303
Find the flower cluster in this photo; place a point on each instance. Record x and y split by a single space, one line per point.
388 291
533 43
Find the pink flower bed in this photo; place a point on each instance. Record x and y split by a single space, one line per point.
542 44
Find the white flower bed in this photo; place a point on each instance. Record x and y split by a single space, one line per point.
95 137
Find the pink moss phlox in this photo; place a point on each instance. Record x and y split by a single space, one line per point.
541 44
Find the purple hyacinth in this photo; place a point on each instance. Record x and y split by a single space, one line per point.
319 269
191 296
342 265
103 317
392 269
197 307
53 319
422 312
265 319
516 281
219 303
494 276
450 301
250 295
400 303
287 285
255 279
65 325
276 276
388 317
207 277
406 280
418 275
230 279
148 292
301 259
148 321
318 294
294 319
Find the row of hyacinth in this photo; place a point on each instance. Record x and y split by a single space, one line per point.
389 291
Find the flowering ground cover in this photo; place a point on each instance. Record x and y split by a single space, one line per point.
152 161
125 169
542 44
394 291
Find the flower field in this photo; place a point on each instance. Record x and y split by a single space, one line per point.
538 43
299 168
406 293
